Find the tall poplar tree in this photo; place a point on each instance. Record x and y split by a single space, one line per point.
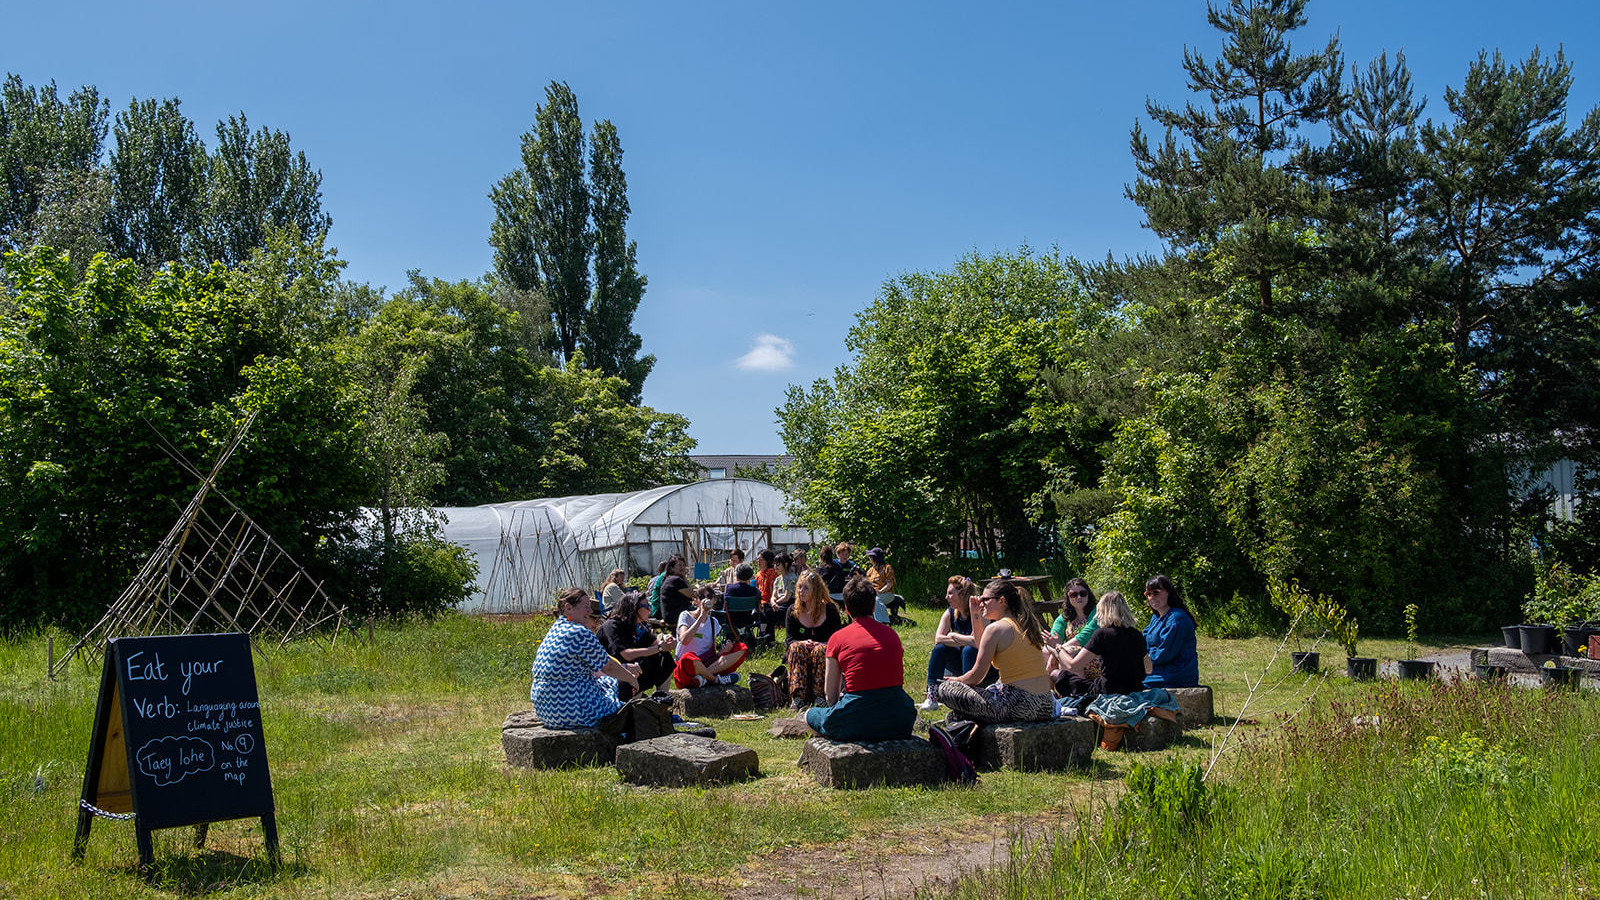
609 343
158 171
560 230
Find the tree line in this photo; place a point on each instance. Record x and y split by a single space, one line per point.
1369 334
156 292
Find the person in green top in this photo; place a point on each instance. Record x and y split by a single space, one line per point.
1072 630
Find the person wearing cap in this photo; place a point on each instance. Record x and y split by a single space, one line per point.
881 574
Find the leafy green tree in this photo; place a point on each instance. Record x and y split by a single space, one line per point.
158 171
541 229
941 431
100 377
557 216
255 183
43 137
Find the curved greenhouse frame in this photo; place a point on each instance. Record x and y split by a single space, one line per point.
528 550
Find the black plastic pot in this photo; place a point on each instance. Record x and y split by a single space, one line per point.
1416 669
1512 635
1575 640
1306 663
1361 668
1538 639
1560 677
1487 672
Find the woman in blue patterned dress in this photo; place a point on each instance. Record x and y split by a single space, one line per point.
574 679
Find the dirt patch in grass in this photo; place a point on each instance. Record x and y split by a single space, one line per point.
889 864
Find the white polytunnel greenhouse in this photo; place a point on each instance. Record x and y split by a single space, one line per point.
528 550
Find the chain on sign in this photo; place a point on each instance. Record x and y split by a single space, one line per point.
120 817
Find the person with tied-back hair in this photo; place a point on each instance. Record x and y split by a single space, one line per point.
735 560
676 595
865 678
627 636
1011 642
955 642
611 588
573 684
1174 659
811 621
783 588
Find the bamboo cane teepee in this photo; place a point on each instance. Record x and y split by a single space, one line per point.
216 570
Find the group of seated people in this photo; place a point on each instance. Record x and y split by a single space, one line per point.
992 661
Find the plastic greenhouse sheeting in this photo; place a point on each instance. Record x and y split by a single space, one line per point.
528 550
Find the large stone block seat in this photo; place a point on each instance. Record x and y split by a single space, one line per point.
1062 743
682 760
716 702
1195 708
907 761
528 744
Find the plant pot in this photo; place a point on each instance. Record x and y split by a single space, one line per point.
1512 635
1361 668
1416 669
1487 672
1560 677
1575 640
1537 639
1306 663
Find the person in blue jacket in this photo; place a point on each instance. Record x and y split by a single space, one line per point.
1169 637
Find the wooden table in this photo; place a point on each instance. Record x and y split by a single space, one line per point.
1037 585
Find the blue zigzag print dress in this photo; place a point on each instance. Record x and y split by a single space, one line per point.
566 693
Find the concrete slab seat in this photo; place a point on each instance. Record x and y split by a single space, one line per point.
1063 743
1194 706
1156 732
528 744
681 760
903 762
716 702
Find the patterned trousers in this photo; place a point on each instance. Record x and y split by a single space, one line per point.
1000 703
808 667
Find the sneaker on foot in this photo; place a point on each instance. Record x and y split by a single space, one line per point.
728 679
928 705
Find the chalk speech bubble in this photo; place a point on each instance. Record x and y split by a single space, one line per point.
169 760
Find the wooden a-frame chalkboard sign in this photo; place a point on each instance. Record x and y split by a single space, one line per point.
177 739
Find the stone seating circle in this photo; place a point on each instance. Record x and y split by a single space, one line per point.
903 762
1062 743
681 760
715 702
1195 707
528 744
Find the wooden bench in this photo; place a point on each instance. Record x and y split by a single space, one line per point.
681 760
903 762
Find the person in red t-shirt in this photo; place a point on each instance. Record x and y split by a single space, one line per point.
865 680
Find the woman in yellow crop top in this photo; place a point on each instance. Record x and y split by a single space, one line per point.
1012 643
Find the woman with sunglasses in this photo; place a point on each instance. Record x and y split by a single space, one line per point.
1170 637
1013 644
1071 631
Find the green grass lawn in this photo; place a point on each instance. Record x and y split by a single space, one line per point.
389 780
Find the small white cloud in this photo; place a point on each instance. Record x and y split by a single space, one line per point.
770 354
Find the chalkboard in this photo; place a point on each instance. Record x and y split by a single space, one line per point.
178 737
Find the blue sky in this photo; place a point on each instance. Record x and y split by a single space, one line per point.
782 160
